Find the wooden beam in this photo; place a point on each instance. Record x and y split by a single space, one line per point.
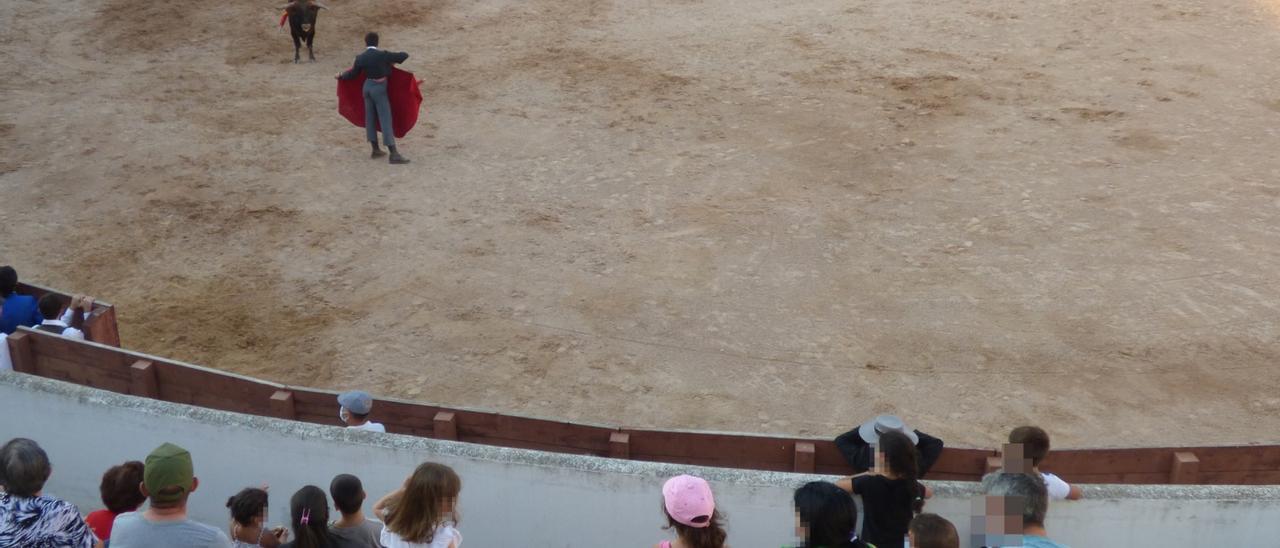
1185 468
804 458
620 445
20 352
446 426
143 380
282 405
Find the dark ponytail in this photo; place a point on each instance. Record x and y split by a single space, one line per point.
309 504
904 461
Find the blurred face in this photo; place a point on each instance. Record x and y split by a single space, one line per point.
802 532
344 415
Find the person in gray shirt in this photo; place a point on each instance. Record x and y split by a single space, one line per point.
353 530
168 478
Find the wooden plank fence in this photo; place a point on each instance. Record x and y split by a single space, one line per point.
108 368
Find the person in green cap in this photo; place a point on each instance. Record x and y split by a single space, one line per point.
168 478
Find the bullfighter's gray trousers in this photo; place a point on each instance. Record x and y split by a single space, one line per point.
378 108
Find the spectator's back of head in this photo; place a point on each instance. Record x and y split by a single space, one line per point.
247 505
120 487
309 516
933 531
51 305
24 467
1034 440
690 508
347 492
8 281
169 476
827 513
430 499
371 39
1024 494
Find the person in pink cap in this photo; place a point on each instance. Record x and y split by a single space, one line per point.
691 511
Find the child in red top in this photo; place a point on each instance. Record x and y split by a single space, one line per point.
120 492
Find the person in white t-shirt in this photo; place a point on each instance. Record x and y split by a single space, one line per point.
354 411
1035 447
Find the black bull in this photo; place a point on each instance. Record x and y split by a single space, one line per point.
302 25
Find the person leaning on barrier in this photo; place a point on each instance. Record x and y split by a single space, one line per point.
28 517
64 320
1033 444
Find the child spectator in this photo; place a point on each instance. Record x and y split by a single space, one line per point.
249 520
17 309
27 517
353 530
827 517
1035 446
309 516
424 512
120 493
60 319
691 511
168 480
355 409
933 531
891 494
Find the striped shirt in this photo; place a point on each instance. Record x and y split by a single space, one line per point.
42 522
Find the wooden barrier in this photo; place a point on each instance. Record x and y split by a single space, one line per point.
126 372
101 326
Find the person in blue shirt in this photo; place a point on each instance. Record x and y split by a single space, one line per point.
15 309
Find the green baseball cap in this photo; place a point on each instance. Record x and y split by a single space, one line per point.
168 466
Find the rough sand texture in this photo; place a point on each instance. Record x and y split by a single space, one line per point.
743 215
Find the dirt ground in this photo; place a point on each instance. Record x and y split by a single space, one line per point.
742 215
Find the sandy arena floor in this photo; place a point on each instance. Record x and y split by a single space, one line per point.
742 215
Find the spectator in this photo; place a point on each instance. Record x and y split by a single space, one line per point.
69 320
827 517
353 530
27 516
691 511
1035 446
354 411
120 493
249 520
891 494
856 444
932 531
1016 505
168 480
309 517
17 309
423 513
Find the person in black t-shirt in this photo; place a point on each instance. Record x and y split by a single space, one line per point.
827 515
891 494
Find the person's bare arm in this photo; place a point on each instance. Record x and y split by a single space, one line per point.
319 5
1076 493
380 507
928 493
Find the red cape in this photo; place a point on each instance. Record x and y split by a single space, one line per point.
402 90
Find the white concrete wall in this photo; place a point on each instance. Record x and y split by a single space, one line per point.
516 498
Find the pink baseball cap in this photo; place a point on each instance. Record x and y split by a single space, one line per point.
688 500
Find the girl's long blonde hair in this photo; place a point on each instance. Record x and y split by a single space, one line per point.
430 499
